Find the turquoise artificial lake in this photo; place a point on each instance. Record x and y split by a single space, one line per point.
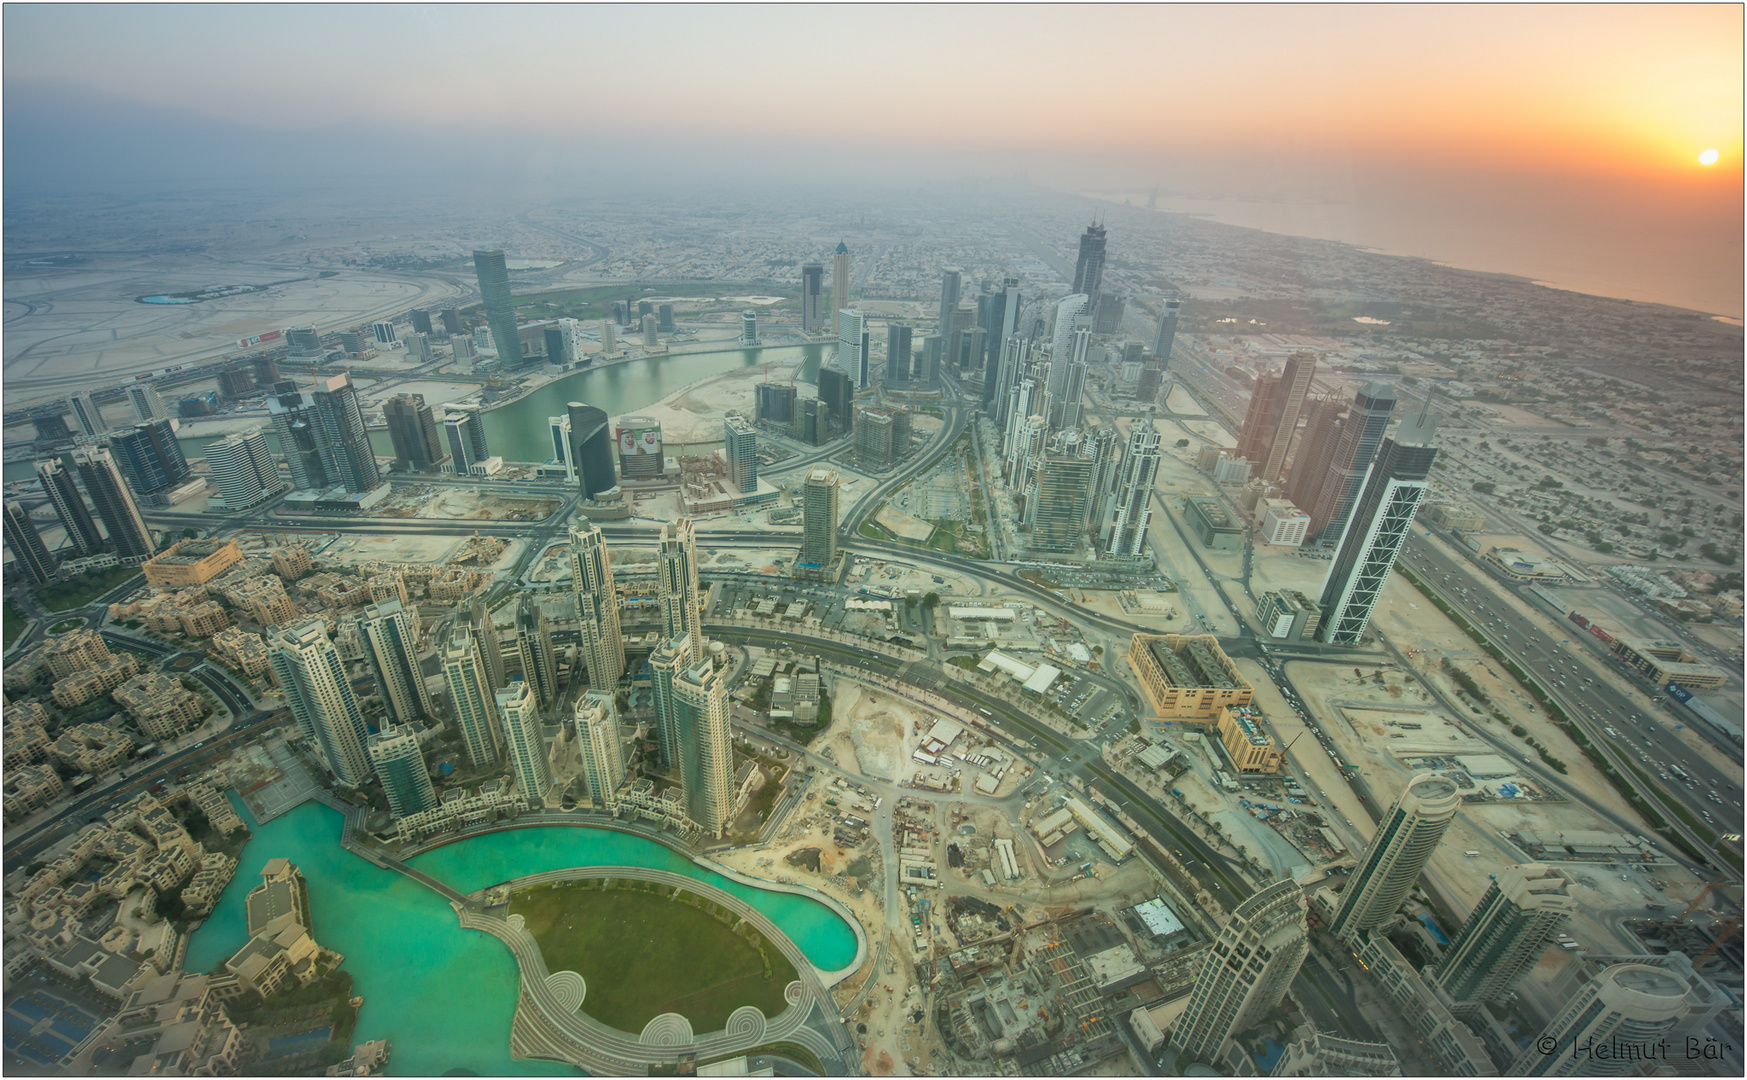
442 995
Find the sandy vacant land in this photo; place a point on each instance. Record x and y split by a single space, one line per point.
694 414
87 331
411 549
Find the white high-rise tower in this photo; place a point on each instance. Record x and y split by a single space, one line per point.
677 585
597 605
320 696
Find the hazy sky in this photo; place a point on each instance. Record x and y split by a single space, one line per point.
1606 105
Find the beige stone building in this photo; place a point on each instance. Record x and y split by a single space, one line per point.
1187 676
89 685
161 706
262 600
243 650
74 651
1251 749
191 562
92 748
390 586
25 742
292 562
29 788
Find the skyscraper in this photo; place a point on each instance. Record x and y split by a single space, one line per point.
500 310
650 332
400 764
562 446
1015 351
464 432
1071 313
592 449
677 584
706 748
740 440
57 484
150 457
749 328
599 747
851 327
1003 318
1064 483
1166 336
1273 417
483 631
609 340
839 280
86 414
1626 1011
471 697
1253 960
452 321
898 360
412 427
597 606
1379 524
1131 505
1354 451
391 636
534 646
951 282
1403 844
812 298
320 696
1074 384
1505 935
837 391
819 518
147 405
348 441
520 715
306 452
1322 431
114 504
242 468
1089 268
671 657
29 553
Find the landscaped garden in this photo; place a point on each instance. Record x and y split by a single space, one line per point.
79 591
644 952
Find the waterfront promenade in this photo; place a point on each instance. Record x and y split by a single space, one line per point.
549 1022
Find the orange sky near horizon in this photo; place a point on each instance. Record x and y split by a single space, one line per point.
1626 90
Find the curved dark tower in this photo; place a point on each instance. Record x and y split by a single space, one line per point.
592 449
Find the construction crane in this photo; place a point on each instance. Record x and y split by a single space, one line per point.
1700 898
1726 929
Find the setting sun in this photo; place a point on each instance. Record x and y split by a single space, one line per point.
1708 157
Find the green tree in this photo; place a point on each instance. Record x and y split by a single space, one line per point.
1485 487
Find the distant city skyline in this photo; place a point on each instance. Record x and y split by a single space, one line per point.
1557 142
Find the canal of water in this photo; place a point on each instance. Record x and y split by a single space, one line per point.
518 431
442 995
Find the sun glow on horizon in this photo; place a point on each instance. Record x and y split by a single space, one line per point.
1708 157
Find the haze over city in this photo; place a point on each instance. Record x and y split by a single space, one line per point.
872 540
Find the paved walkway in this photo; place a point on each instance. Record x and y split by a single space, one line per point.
548 1023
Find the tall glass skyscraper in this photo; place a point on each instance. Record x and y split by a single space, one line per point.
29 553
320 696
1379 524
600 643
400 764
391 635
1403 844
500 310
471 698
1089 268
149 456
343 431
813 298
519 713
121 515
58 485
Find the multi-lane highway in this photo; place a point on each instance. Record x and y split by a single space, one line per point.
1623 725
